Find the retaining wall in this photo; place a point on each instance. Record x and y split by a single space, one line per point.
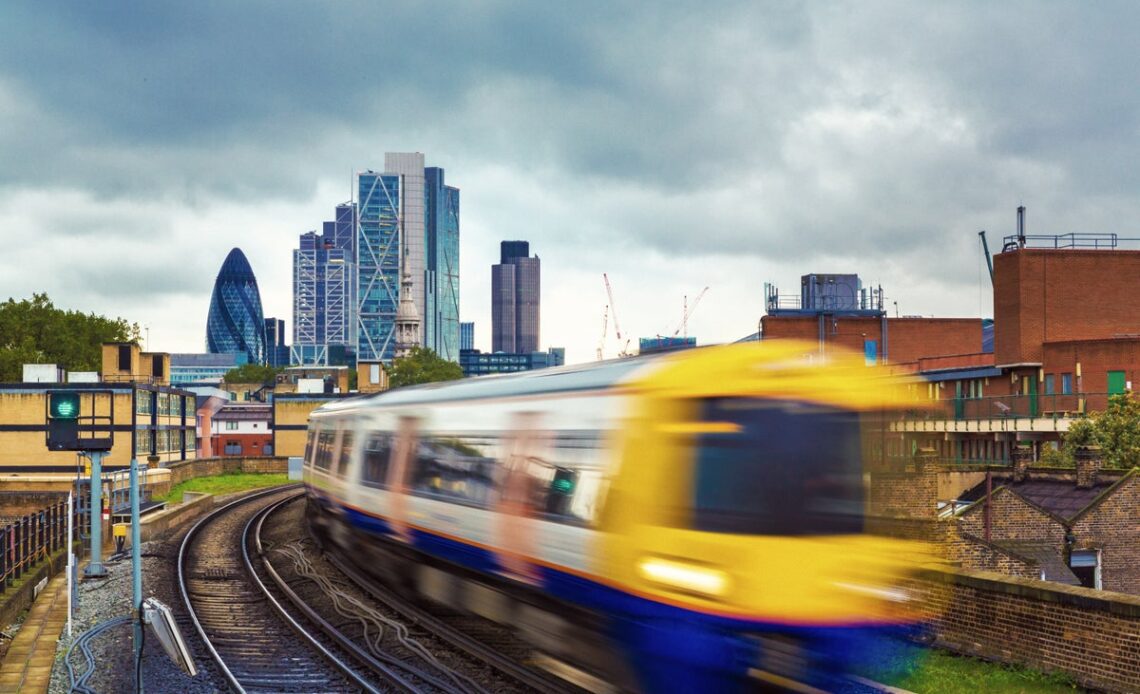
1092 635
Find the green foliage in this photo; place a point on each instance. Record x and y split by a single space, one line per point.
224 484
940 672
35 331
422 365
1116 430
252 373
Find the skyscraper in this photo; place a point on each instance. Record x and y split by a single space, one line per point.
441 272
324 291
407 218
515 299
466 336
276 351
235 322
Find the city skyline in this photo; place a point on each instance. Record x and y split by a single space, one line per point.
670 147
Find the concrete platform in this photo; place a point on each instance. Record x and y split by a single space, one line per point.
27 666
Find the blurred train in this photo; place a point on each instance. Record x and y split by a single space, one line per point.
691 521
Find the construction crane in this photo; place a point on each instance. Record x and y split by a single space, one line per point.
605 324
623 351
683 328
986 250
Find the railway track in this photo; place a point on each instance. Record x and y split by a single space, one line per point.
241 624
479 638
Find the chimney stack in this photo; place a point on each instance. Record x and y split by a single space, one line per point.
1022 457
1089 462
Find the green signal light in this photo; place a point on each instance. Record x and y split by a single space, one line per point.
64 405
563 486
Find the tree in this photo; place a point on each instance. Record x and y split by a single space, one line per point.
252 373
35 331
422 365
1116 430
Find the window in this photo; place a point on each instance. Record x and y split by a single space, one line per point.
377 458
323 456
778 468
1085 564
345 452
457 467
143 401
569 479
1066 384
231 426
1049 384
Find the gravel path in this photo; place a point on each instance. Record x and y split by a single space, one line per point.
103 599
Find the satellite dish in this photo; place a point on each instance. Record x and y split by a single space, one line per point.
161 622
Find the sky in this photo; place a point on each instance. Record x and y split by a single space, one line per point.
670 145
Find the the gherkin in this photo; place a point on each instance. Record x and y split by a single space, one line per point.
236 322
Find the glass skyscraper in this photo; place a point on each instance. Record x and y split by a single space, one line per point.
466 336
324 291
378 269
515 299
441 272
407 220
235 322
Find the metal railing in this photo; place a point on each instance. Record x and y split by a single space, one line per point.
1092 240
1052 406
30 539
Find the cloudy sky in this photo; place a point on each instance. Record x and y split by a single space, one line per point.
671 145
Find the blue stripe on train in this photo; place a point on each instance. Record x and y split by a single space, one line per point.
672 648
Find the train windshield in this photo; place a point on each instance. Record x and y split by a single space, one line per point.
777 468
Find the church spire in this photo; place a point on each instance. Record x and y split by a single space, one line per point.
407 317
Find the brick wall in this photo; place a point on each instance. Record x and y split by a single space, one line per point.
1092 635
908 339
1097 358
1113 526
1056 295
904 494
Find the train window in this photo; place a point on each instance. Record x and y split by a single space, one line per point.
377 458
322 459
458 468
782 468
572 485
345 453
309 441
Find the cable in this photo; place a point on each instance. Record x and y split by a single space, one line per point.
83 641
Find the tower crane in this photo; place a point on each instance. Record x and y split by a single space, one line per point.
623 351
605 324
688 311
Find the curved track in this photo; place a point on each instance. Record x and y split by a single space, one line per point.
250 642
477 646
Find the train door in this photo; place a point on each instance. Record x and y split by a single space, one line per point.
403 453
516 533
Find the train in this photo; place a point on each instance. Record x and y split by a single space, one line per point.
688 521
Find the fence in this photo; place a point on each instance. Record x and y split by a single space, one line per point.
30 539
1033 405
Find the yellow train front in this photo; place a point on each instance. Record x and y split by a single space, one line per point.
692 521
733 534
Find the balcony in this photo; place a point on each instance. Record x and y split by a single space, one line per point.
1003 413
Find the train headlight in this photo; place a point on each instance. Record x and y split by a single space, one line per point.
684 576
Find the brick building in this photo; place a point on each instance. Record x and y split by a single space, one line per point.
243 430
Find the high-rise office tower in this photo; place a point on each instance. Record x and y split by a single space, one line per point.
276 351
235 322
407 218
441 272
324 292
466 336
515 299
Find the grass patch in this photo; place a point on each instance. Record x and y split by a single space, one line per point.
940 672
224 484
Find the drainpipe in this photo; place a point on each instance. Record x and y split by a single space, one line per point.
986 507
